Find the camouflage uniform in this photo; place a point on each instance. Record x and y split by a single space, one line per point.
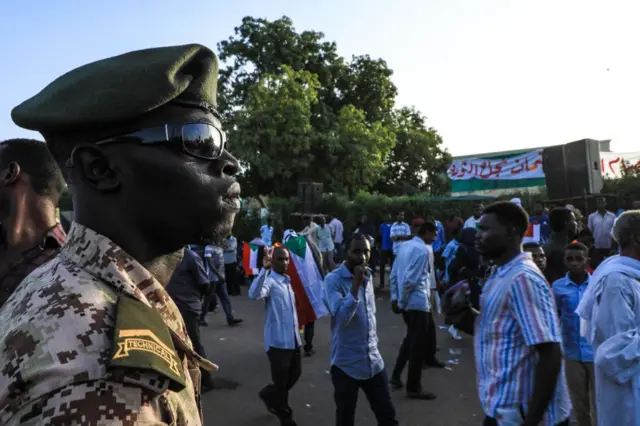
93 339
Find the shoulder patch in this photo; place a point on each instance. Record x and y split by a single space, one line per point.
143 341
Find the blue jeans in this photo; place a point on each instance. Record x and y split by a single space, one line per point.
220 292
376 389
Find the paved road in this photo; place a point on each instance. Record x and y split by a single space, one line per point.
244 370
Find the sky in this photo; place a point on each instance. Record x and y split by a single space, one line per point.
489 75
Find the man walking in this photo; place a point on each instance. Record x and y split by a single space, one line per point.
517 336
400 232
232 277
30 187
610 310
355 359
600 224
281 332
338 236
386 247
188 286
410 291
214 263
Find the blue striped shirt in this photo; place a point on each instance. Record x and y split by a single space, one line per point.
517 312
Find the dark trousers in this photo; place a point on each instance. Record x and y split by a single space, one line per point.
490 421
413 349
233 280
286 368
386 258
193 330
220 293
598 256
432 344
376 389
309 330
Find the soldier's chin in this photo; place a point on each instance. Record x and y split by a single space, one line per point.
217 233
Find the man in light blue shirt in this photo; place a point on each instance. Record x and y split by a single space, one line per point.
355 360
281 332
410 291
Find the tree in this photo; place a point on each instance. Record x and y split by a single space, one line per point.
417 162
341 131
280 146
273 131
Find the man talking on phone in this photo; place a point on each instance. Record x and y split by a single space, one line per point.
355 359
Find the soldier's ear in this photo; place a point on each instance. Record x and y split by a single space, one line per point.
95 167
10 174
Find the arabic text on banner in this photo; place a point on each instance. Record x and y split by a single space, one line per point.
612 163
527 165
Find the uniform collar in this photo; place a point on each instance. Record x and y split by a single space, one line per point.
104 259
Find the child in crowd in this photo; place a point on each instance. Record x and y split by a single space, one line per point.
568 292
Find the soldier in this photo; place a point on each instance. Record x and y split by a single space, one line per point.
94 338
30 187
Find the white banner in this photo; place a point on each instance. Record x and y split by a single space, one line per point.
612 163
527 165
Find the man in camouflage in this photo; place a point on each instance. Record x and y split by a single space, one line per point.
94 338
30 187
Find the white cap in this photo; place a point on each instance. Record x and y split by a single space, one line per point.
516 201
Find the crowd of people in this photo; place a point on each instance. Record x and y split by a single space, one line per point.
101 325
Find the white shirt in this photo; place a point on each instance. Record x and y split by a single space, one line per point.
432 267
601 226
266 233
311 232
471 222
338 230
399 229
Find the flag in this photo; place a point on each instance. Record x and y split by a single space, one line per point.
306 279
252 254
532 235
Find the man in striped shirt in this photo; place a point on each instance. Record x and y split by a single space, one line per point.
517 336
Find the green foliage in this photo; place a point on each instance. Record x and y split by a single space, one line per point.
296 110
273 131
417 148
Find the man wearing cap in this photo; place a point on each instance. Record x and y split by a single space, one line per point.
93 337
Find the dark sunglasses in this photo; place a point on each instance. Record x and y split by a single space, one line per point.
200 140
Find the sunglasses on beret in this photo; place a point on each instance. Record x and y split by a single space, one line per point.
200 140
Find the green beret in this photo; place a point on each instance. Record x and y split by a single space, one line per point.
121 89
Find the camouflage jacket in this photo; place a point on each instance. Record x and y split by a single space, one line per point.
91 338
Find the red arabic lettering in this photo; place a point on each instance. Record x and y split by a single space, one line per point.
535 165
498 168
515 170
463 169
612 162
